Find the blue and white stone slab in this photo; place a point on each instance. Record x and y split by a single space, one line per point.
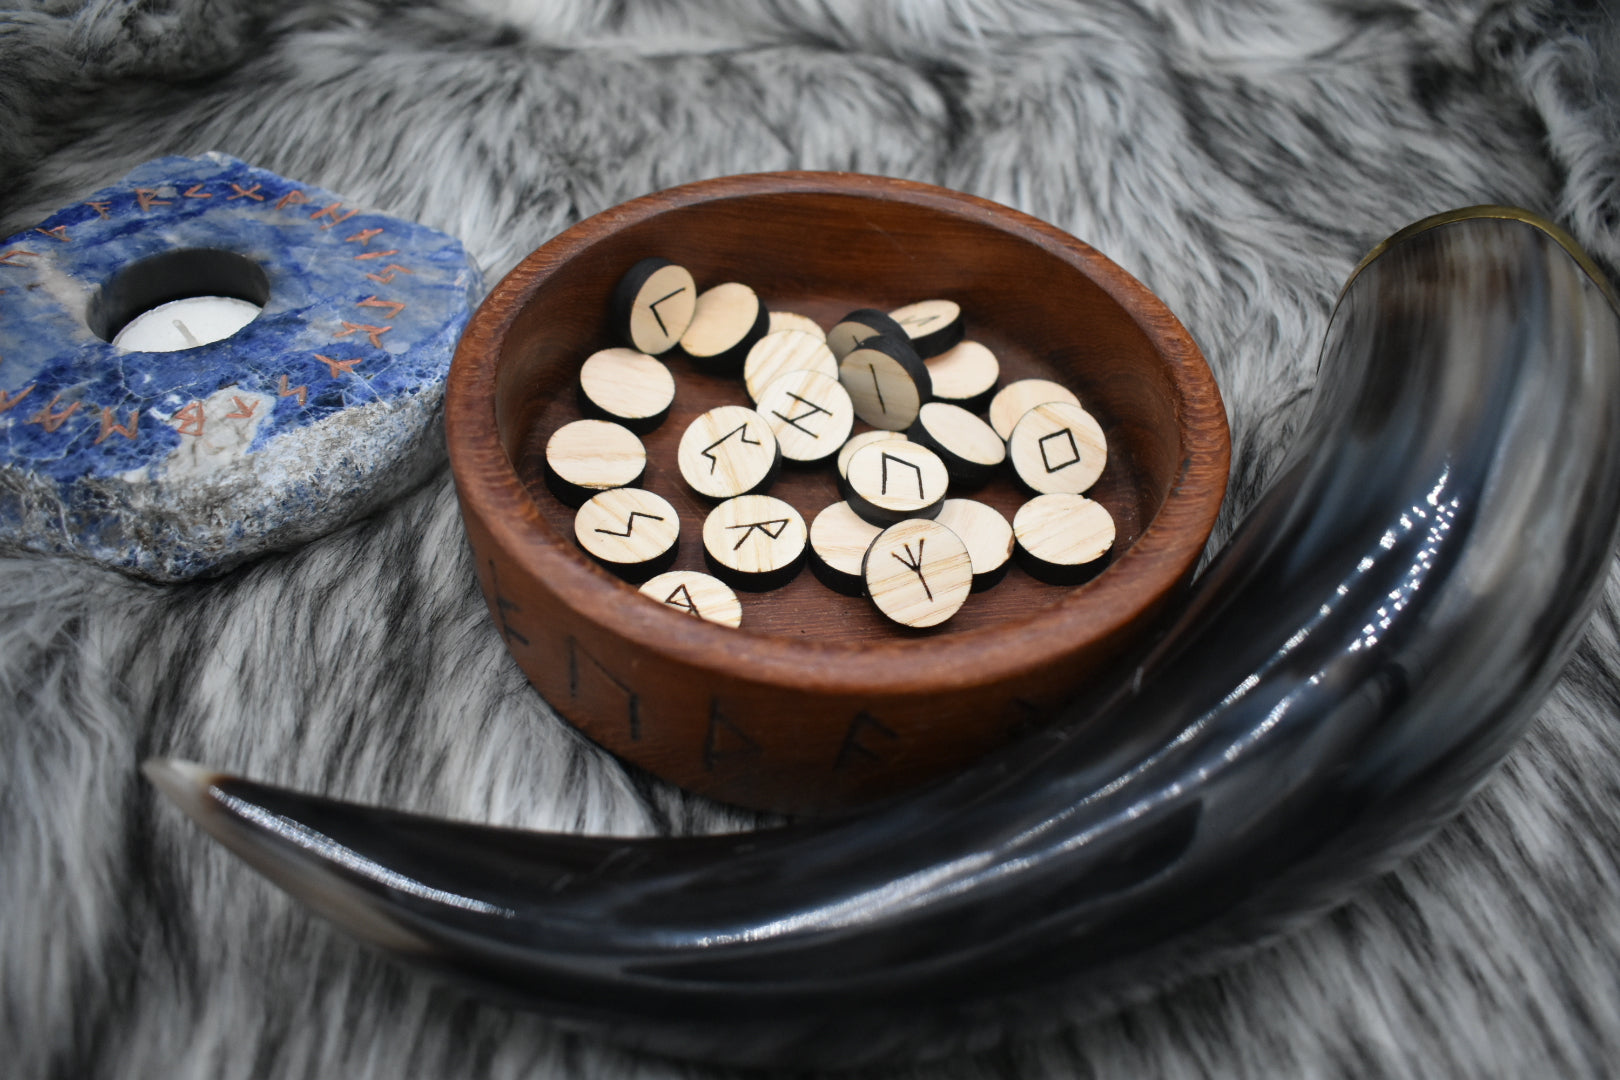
172 465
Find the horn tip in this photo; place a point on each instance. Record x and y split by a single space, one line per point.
186 783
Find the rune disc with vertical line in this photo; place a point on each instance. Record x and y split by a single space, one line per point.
809 413
630 531
755 542
887 382
918 573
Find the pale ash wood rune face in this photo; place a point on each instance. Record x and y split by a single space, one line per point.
627 386
986 534
728 320
891 481
964 375
653 304
755 542
697 594
631 531
1017 398
865 438
932 325
782 351
918 573
588 456
1058 447
969 447
792 320
809 413
857 326
1062 537
728 451
887 382
839 539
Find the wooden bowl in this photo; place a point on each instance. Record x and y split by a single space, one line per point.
817 702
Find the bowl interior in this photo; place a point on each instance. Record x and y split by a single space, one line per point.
1047 306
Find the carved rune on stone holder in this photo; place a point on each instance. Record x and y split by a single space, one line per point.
168 465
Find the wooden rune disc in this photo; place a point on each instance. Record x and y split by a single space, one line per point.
932 325
857 326
809 413
865 438
891 481
697 594
755 542
588 456
1057 447
964 375
627 386
985 533
969 447
839 538
782 351
631 531
1017 398
1063 537
918 573
887 382
728 451
728 320
652 305
792 320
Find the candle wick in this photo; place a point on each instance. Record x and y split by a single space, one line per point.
191 342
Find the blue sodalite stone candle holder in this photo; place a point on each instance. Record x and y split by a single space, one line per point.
171 465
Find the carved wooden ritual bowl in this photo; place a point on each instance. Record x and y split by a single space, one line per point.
817 702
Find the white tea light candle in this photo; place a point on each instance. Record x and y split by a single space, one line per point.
185 324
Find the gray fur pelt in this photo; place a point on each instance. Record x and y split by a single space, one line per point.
1237 157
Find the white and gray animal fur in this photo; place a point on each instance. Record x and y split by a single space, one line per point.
1237 157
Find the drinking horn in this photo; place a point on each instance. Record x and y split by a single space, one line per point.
1369 644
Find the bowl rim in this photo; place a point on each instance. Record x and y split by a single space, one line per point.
1162 557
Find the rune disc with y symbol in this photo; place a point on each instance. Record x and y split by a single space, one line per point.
918 572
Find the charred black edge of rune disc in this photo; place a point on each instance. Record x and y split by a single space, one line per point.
880 323
728 362
623 300
965 473
942 339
